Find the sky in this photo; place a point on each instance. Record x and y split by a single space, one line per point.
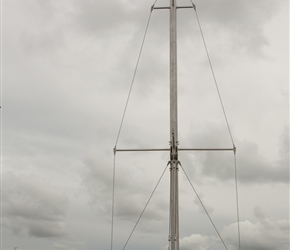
66 70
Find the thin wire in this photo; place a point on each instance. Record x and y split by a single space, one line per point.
123 116
145 207
204 207
236 178
135 71
1 134
213 74
113 202
237 200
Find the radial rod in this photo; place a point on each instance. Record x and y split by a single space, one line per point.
142 150
206 149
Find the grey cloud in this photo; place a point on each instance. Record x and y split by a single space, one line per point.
132 190
32 207
244 21
242 24
47 25
102 17
209 209
46 229
251 165
64 83
258 212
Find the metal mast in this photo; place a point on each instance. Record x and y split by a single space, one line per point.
174 162
174 214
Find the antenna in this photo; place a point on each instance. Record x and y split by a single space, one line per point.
173 162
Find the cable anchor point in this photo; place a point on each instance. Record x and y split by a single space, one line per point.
193 5
234 149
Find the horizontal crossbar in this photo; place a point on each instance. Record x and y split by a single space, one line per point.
161 8
184 7
206 149
167 8
137 150
168 149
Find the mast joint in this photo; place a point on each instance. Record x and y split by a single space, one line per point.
173 148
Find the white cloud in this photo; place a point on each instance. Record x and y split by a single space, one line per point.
71 245
267 234
194 241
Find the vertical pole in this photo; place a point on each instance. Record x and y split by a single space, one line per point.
174 214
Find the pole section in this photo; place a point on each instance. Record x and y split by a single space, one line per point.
174 214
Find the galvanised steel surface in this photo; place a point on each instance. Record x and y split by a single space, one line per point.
174 213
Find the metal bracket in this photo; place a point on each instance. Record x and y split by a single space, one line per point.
234 149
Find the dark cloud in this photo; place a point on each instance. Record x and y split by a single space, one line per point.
32 207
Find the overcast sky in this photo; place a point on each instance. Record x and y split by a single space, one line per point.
67 67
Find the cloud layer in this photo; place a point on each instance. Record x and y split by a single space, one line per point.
32 207
67 69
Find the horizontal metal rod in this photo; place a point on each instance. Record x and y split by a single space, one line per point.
206 149
168 149
161 8
140 150
184 7
167 8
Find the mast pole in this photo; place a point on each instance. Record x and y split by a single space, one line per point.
174 213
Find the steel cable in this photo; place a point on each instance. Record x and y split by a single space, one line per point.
237 200
213 74
203 206
113 202
145 207
122 120
135 71
226 119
